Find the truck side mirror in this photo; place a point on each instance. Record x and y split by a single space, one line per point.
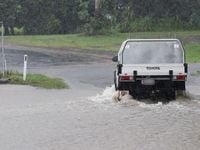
115 59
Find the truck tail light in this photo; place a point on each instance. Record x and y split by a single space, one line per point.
181 77
126 78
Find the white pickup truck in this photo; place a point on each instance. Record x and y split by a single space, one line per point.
151 68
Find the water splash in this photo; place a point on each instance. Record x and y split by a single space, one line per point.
105 96
108 94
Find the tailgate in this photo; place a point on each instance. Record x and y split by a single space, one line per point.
153 69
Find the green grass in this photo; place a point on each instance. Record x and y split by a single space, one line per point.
75 41
193 53
109 42
36 80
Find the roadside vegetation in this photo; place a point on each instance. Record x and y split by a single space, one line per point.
36 80
108 42
193 53
94 17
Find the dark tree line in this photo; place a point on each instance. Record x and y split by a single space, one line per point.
98 16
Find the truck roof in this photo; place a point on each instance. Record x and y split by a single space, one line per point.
174 39
141 40
153 39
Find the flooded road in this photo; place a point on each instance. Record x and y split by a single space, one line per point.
85 116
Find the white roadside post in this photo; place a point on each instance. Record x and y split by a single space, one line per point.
2 47
25 67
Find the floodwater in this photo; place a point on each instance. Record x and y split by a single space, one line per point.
144 125
86 117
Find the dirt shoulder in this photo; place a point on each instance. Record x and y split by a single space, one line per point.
99 54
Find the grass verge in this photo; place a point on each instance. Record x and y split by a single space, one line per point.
110 42
193 53
36 80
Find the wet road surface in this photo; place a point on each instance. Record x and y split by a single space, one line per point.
85 116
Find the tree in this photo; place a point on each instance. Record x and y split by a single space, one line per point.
50 16
8 14
97 16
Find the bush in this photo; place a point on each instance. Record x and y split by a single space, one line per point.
53 25
142 25
147 24
138 25
97 26
125 27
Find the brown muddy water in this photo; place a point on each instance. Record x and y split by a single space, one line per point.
86 118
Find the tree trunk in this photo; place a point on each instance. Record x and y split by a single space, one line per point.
97 6
12 30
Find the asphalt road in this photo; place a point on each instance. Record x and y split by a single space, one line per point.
85 117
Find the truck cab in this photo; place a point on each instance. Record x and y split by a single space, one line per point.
151 68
